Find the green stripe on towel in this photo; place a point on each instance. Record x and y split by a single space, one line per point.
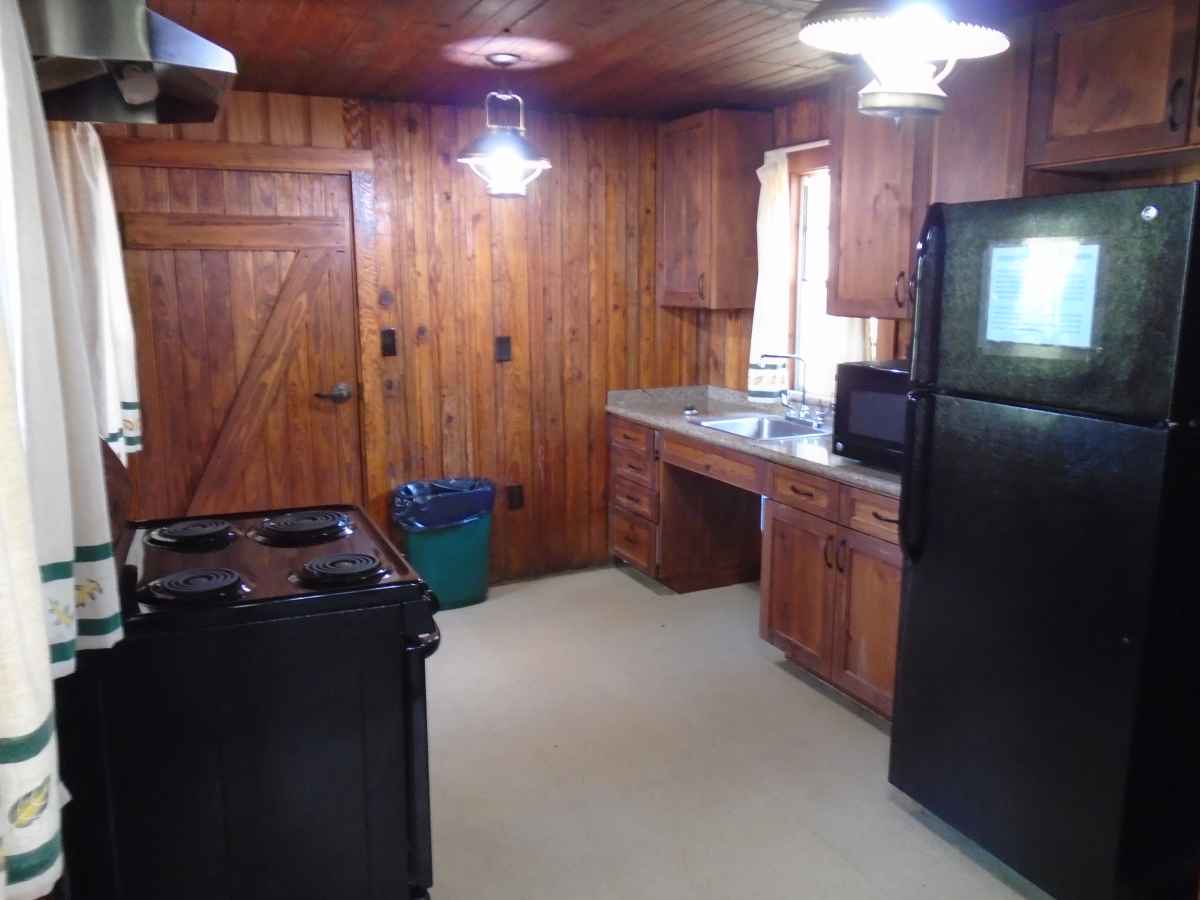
114 438
62 651
94 553
99 627
27 866
133 441
27 746
125 404
57 571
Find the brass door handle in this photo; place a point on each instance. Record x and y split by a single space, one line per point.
896 293
881 518
841 558
340 394
828 547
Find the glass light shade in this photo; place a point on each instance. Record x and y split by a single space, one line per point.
501 156
901 42
504 160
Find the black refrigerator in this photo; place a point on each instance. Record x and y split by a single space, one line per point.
1048 685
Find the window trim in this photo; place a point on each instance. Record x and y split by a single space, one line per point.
800 163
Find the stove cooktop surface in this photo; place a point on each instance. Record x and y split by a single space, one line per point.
259 556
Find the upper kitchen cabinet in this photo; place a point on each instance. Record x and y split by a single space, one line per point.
879 181
708 208
979 141
1112 78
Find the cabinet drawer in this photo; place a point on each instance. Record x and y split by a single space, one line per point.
630 436
872 514
724 465
632 539
635 498
634 467
810 493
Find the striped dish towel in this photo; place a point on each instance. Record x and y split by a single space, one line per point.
30 845
91 218
56 409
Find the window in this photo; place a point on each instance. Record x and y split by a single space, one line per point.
821 339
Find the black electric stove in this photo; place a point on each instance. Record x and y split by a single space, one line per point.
261 731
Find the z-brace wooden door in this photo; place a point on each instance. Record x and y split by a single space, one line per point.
242 290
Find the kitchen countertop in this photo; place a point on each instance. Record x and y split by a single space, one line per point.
662 409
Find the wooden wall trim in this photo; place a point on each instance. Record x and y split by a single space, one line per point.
201 231
377 477
174 154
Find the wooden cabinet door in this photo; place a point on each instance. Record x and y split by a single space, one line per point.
685 209
979 141
866 618
1112 78
879 188
798 578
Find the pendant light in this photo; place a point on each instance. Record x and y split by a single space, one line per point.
903 42
501 156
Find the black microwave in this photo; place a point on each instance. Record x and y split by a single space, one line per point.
868 421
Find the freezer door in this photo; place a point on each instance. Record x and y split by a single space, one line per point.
1029 540
1072 302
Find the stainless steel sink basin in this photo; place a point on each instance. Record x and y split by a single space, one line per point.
764 428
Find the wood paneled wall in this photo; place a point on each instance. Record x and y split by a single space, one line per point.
804 119
567 274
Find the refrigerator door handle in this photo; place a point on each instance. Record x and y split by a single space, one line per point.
914 487
927 297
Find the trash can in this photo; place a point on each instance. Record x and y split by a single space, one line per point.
447 527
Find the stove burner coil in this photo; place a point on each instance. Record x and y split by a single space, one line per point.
342 570
198 586
193 535
299 529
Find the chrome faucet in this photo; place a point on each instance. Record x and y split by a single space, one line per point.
802 411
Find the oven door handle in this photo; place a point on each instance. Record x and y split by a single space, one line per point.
425 645
420 850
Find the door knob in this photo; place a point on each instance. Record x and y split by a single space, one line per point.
340 394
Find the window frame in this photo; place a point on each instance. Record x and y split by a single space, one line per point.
800 163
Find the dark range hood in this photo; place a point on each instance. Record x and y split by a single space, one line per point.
117 61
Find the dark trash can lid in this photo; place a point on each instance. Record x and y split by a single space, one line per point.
441 503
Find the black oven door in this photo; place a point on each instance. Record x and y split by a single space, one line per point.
868 423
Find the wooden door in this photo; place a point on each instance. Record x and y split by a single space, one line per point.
242 290
1112 78
866 624
879 184
798 578
685 210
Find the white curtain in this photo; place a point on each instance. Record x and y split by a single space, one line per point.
769 332
57 577
788 249
91 218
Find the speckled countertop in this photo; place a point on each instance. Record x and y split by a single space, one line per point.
662 409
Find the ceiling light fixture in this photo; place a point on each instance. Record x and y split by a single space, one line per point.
902 42
501 156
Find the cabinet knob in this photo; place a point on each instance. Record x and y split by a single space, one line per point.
700 286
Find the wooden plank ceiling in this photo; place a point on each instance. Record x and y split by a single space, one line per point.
633 57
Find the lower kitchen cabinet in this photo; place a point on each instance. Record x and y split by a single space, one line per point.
831 593
866 618
798 584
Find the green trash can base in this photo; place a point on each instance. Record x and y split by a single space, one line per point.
453 561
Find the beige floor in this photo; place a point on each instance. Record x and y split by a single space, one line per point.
593 738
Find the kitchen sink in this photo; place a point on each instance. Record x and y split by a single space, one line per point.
765 428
